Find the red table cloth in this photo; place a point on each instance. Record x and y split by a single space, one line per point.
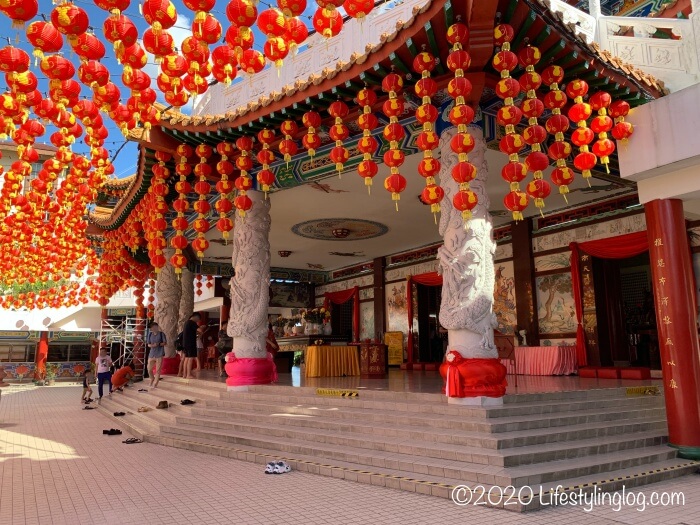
543 361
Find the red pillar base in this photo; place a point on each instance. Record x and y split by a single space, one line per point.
171 366
473 377
250 371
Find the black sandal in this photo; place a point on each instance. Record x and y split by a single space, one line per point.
131 441
112 432
89 408
142 390
187 402
117 414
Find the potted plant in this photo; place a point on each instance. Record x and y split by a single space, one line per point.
52 370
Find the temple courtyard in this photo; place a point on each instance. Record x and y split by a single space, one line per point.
57 467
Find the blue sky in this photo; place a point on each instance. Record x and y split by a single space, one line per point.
125 163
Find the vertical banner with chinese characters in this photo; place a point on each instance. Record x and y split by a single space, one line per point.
674 297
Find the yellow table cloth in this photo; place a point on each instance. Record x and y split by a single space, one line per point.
331 361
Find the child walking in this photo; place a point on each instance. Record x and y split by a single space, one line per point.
87 389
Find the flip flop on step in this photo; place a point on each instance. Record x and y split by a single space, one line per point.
142 390
89 408
270 468
131 441
144 409
187 402
118 414
282 468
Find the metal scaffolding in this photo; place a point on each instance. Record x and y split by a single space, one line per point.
124 338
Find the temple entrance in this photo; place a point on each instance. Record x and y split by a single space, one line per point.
341 320
431 336
626 322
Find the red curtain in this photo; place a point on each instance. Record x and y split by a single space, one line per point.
342 297
428 279
619 247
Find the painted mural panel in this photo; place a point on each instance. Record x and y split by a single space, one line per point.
367 321
553 261
416 269
504 297
397 309
556 313
503 251
558 342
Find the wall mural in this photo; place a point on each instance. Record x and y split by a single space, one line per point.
553 261
287 295
397 309
558 342
556 313
367 321
504 298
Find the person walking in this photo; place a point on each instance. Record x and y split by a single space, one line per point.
156 351
104 372
189 342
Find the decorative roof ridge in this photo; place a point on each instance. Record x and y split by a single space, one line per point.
173 117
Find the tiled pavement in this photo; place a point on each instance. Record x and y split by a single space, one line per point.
57 467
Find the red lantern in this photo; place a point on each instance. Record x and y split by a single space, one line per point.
242 204
298 33
562 177
367 169
69 19
358 9
121 31
271 22
159 14
433 194
327 23
44 37
292 8
395 183
622 130
252 61
465 201
242 13
539 190
516 202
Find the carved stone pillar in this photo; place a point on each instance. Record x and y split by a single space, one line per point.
473 372
168 291
250 363
186 298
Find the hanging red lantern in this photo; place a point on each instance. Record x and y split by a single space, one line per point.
242 204
252 61
358 9
69 19
311 141
367 168
275 50
582 136
271 22
297 32
44 37
207 30
516 202
563 177
87 46
13 60
242 13
291 8
538 190
339 132
395 183
327 23
121 31
159 14
465 201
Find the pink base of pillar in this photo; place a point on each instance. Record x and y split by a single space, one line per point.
171 366
250 371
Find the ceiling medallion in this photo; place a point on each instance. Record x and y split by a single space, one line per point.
284 253
340 229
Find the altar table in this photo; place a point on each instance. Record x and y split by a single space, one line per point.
543 360
331 361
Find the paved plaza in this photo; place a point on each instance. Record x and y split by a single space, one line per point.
57 467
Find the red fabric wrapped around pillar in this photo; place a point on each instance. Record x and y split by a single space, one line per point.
428 279
619 247
342 297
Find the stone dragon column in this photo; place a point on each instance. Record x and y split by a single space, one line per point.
168 292
474 374
249 363
186 298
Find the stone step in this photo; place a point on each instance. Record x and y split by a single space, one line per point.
342 410
438 486
424 429
405 458
387 395
185 389
441 407
429 447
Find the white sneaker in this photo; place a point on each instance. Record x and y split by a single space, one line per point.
270 468
282 468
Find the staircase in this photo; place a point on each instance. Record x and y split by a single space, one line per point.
417 442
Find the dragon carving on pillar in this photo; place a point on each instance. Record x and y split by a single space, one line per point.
249 362
186 298
168 291
472 367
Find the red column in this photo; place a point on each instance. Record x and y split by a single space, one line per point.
674 296
42 354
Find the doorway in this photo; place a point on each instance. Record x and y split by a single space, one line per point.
341 319
432 338
626 320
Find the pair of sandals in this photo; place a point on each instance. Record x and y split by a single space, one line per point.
132 441
277 467
187 402
112 432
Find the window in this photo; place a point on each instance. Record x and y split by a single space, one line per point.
17 353
60 353
57 353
